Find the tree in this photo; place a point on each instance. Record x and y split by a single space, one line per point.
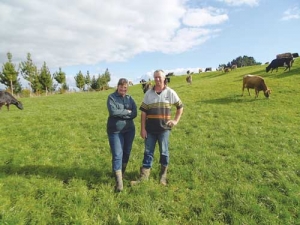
28 70
101 82
60 77
88 80
36 85
17 86
80 81
94 84
45 78
9 75
106 77
242 61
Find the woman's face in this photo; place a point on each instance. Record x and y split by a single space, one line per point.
122 89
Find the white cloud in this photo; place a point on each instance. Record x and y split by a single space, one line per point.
291 13
241 2
204 17
65 33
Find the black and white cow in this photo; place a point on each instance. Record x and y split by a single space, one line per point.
282 62
7 99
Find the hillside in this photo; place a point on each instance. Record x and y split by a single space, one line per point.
234 160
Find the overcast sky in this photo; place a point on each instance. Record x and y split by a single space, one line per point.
135 37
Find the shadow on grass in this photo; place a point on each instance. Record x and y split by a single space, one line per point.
92 175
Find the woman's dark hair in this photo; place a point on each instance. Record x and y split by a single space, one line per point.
122 81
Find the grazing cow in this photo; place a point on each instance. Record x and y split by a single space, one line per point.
200 70
220 68
227 69
167 80
284 55
189 79
130 83
170 74
257 83
233 67
7 99
282 62
146 86
208 69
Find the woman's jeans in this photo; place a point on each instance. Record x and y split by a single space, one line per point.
120 146
163 143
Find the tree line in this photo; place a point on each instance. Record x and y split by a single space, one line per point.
240 62
42 81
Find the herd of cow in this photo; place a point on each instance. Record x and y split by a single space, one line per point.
249 81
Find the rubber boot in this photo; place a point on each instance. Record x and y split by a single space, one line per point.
119 180
124 165
144 175
163 175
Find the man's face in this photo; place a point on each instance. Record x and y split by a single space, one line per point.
159 79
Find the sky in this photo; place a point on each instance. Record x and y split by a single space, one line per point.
133 38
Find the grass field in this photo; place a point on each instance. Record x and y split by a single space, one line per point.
234 160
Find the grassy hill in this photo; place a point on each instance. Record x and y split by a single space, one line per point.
234 160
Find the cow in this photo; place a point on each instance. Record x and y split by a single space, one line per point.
257 83
130 83
200 71
146 86
7 99
233 67
282 62
189 79
227 69
208 69
220 68
167 80
284 55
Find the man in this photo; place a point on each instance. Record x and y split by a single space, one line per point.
156 124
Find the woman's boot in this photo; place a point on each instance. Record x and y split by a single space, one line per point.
163 175
119 180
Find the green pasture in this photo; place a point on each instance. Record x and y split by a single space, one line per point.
234 159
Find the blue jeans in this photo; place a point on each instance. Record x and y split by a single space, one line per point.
163 143
120 147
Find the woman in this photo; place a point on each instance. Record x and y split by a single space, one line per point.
120 129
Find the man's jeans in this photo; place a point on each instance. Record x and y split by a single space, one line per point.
120 146
163 143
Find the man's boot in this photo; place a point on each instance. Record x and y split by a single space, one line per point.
144 175
119 180
163 175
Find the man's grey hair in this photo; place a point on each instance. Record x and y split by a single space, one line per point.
160 71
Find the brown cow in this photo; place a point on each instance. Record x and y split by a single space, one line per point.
227 69
257 83
146 86
189 79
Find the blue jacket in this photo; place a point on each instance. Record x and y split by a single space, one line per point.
119 119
